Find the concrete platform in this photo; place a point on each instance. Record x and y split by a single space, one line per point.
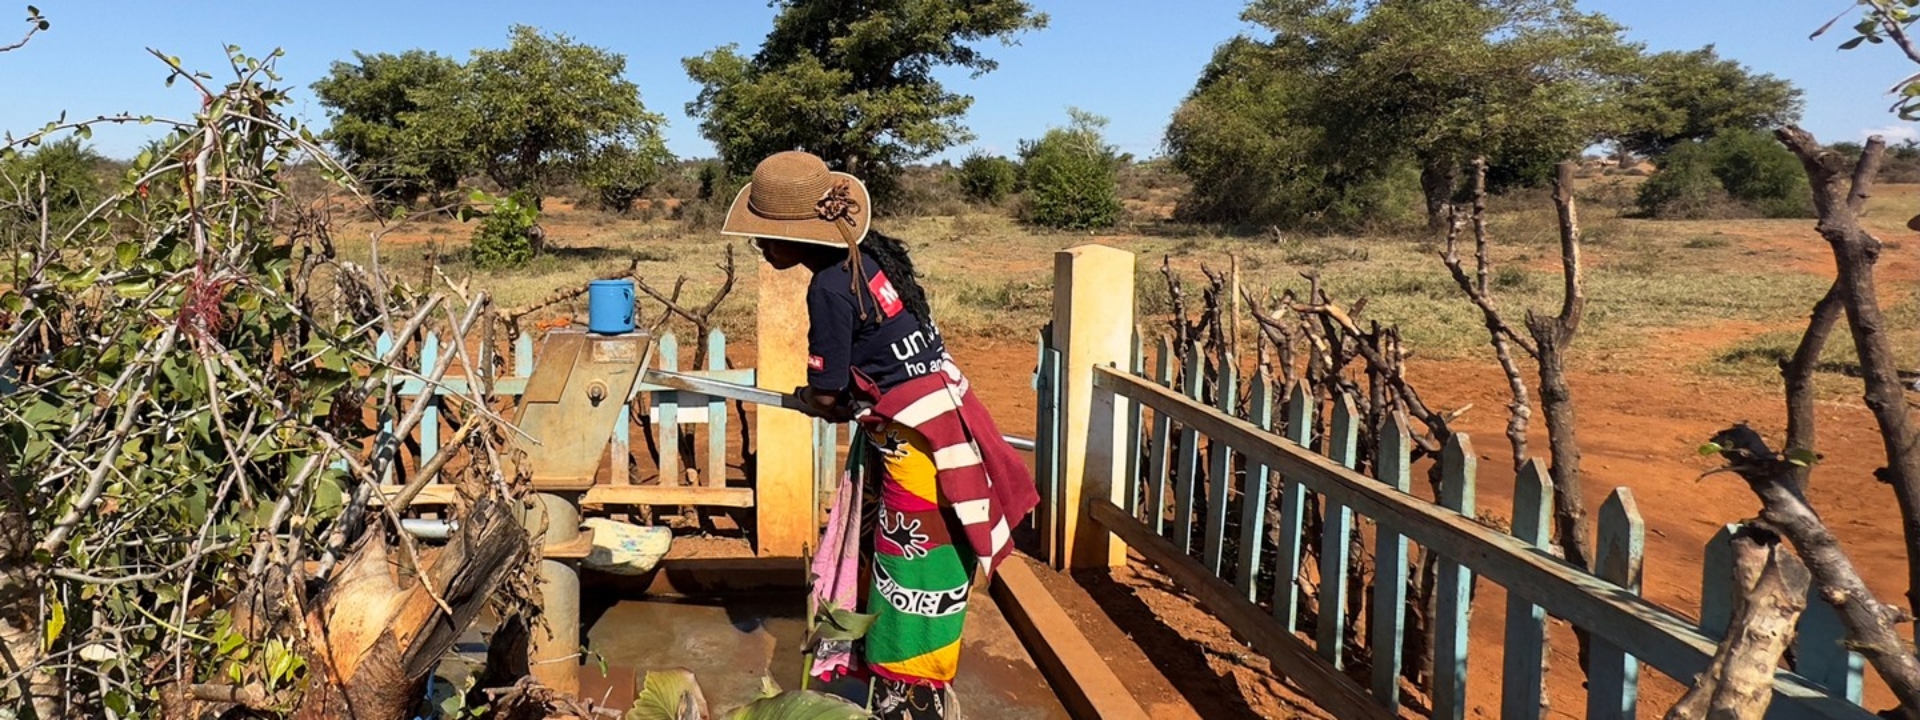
730 646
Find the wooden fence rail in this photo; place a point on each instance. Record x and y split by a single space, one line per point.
1202 486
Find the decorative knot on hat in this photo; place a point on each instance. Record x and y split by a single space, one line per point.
838 205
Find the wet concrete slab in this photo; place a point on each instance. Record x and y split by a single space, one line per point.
732 643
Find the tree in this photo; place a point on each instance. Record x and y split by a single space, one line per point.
1674 97
535 112
371 104
988 178
851 82
620 172
1072 176
1524 83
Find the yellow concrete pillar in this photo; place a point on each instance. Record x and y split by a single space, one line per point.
783 496
1092 326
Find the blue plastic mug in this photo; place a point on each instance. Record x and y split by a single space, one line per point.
610 307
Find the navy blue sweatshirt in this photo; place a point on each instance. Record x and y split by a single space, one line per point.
889 347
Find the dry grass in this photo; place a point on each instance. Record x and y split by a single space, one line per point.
989 276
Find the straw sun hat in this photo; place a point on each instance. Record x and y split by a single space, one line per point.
793 196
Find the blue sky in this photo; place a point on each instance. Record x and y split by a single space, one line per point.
1129 60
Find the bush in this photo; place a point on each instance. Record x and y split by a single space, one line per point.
1072 176
1736 173
510 234
987 178
619 175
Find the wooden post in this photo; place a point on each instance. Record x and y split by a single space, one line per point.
1092 325
783 439
1613 676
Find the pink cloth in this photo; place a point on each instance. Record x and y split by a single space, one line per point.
836 573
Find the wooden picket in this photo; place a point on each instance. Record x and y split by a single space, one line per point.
671 412
1267 483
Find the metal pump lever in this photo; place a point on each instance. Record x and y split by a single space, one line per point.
757 396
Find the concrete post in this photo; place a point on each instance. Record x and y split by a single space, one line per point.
784 504
1092 326
554 645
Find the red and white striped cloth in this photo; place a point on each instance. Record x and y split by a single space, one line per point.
980 475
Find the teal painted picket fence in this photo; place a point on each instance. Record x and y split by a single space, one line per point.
1197 482
670 411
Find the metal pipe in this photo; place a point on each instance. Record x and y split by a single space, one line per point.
429 529
1018 443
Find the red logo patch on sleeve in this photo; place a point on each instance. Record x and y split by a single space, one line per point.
816 363
884 293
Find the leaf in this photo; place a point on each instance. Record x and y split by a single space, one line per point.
55 624
799 705
1802 457
669 695
1854 43
841 624
126 252
1711 449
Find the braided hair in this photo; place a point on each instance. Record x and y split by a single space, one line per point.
891 255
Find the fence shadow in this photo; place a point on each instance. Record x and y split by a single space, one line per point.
1181 659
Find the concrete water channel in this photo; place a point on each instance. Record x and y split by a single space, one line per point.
733 622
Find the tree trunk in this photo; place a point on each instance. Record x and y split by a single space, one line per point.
384 636
1772 586
20 632
1437 180
1855 251
1872 626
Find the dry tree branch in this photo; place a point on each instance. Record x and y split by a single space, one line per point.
1839 196
1772 592
1872 626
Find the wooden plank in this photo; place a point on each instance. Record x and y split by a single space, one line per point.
1821 651
385 443
669 495
430 417
667 430
1526 639
1078 673
1292 659
1046 441
1253 499
735 497
1134 430
523 355
1220 469
1293 512
1336 537
716 471
1716 581
1387 627
1454 590
1613 676
1656 635
1188 468
783 439
1158 473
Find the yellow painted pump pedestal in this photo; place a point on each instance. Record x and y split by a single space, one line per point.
580 383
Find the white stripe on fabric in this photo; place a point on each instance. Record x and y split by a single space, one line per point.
926 408
971 512
1000 535
956 456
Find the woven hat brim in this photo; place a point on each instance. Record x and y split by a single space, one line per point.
742 221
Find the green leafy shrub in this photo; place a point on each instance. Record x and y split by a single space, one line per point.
987 178
510 235
1072 176
1732 174
619 174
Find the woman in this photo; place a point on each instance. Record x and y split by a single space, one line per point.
950 487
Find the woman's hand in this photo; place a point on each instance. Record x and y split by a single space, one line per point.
832 407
